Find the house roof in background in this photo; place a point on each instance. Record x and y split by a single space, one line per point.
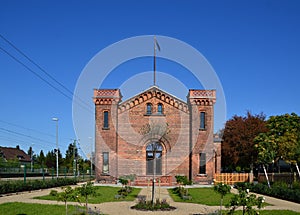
14 153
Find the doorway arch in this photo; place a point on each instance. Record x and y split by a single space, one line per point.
154 158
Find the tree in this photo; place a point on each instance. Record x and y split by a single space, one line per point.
41 158
85 191
267 150
67 194
223 190
30 152
284 132
247 201
238 140
50 159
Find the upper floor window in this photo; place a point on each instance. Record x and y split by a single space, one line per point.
160 108
149 108
202 120
105 119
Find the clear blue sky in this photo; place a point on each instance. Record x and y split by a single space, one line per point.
253 47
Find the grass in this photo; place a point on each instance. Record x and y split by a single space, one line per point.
205 196
14 208
103 194
273 212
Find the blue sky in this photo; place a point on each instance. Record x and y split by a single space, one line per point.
253 47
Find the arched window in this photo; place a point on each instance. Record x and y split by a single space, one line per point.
160 108
149 109
153 158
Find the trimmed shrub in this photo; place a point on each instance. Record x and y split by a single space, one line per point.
20 186
183 180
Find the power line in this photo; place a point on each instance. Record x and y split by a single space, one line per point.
29 129
25 135
36 74
45 72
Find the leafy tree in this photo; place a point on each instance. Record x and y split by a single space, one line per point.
267 150
30 152
247 201
41 158
223 190
238 140
67 194
85 191
284 132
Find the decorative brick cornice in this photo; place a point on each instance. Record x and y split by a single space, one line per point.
202 97
151 93
107 96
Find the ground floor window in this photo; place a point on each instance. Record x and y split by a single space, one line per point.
105 168
153 158
202 163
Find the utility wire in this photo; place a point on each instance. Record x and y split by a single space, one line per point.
44 71
29 129
24 135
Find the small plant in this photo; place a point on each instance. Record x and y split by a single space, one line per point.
222 189
53 193
85 191
247 201
67 194
144 205
182 180
182 192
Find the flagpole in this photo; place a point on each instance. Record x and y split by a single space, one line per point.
154 62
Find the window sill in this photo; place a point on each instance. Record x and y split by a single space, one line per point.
155 114
105 128
202 129
202 175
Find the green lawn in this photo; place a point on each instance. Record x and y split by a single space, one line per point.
14 208
273 212
205 196
103 194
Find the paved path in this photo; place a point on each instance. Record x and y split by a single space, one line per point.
124 207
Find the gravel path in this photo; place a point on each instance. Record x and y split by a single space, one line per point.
124 207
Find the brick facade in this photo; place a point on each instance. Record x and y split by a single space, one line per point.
152 124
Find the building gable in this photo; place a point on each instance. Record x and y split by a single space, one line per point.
151 93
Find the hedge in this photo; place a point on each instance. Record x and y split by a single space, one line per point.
279 190
20 186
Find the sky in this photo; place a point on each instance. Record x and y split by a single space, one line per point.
252 46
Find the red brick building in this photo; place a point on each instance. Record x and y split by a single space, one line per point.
156 134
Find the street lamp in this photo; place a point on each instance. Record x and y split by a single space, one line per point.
31 161
91 157
56 119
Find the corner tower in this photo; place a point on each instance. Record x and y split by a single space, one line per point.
106 126
201 162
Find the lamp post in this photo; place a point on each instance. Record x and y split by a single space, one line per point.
91 157
31 161
56 119
154 149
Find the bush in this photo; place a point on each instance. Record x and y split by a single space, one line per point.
278 190
20 186
182 193
124 191
183 180
53 193
144 205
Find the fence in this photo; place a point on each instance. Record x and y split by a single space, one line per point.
288 178
232 178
